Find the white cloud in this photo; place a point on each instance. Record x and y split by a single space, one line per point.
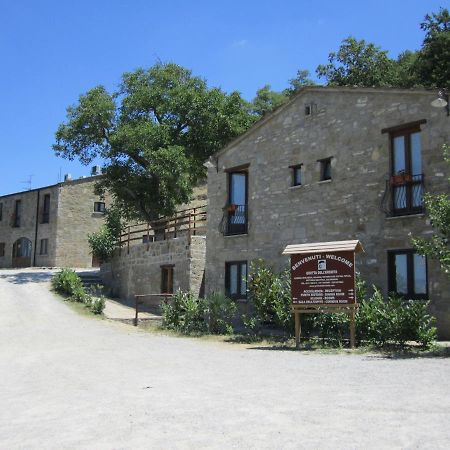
241 43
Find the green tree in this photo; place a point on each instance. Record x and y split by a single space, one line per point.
154 133
301 80
438 210
433 64
358 63
406 75
267 100
107 239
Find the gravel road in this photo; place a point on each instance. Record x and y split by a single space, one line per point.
71 382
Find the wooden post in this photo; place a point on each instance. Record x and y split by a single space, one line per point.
195 218
352 328
137 311
189 236
128 250
297 329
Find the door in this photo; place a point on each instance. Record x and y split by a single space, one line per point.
21 256
237 199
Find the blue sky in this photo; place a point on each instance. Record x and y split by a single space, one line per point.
52 51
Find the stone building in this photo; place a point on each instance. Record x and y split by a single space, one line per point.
49 226
158 258
333 164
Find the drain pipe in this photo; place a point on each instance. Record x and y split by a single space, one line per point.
36 228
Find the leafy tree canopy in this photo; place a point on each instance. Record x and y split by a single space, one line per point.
267 100
433 63
438 210
154 133
359 63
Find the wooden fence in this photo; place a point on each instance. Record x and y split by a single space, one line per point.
190 222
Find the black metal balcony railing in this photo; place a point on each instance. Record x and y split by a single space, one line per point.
235 220
404 195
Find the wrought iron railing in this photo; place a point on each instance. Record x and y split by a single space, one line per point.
404 195
234 220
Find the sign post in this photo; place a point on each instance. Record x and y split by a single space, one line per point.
323 280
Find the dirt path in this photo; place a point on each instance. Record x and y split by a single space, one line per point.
68 381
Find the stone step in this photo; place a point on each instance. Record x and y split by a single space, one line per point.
90 279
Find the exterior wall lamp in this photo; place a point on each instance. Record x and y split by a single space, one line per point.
442 101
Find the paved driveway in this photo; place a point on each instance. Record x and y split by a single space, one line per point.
68 381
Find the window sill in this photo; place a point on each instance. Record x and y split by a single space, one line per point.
405 216
235 235
98 214
324 181
296 186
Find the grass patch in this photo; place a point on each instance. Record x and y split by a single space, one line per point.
79 308
308 346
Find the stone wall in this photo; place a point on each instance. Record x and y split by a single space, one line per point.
139 270
71 219
346 125
76 219
31 226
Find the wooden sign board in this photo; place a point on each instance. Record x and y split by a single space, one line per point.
323 278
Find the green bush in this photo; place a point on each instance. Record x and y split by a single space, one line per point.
107 239
332 328
79 295
219 313
67 282
187 314
184 313
270 296
97 304
394 320
379 321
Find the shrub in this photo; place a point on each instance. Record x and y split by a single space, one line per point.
188 314
106 240
97 304
67 282
270 295
184 313
394 320
102 243
381 321
332 327
79 295
219 313
88 299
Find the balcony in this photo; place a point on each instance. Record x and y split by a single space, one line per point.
404 195
188 222
234 220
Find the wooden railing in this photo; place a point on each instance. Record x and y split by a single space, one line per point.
190 222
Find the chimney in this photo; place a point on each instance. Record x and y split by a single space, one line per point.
67 177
